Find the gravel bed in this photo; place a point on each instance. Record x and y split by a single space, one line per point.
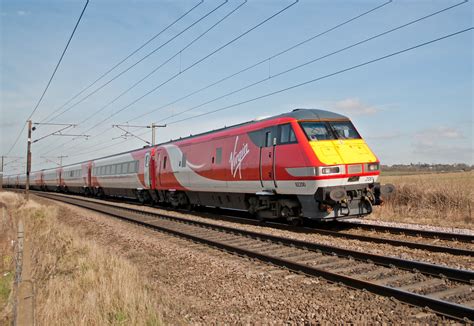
424 227
200 285
461 262
380 249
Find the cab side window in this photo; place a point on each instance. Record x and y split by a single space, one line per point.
268 139
286 134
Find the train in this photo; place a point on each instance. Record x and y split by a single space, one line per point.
304 164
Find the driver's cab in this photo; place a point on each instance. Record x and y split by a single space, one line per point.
336 142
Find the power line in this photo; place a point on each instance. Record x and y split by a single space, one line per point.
303 83
124 59
178 53
137 62
150 53
197 62
51 78
264 60
325 76
298 66
314 60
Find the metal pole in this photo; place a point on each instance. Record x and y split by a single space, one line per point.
1 176
28 163
61 160
152 134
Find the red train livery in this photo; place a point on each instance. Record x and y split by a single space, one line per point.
303 164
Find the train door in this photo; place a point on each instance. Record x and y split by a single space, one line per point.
89 175
146 170
267 159
158 167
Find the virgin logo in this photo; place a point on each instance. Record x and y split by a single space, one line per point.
237 158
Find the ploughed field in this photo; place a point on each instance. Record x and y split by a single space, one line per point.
441 199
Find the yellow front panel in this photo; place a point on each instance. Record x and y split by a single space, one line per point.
333 152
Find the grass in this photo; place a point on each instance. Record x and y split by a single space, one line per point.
77 281
6 285
7 263
444 199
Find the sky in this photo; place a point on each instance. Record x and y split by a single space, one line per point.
416 106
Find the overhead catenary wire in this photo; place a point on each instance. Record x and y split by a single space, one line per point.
124 59
325 76
262 61
332 53
220 48
138 62
338 72
52 76
313 60
179 52
166 61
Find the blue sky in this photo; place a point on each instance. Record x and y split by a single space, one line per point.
414 107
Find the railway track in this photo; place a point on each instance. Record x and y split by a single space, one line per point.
235 217
409 231
442 289
342 229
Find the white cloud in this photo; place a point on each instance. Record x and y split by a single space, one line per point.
354 106
442 144
433 136
385 136
22 13
350 106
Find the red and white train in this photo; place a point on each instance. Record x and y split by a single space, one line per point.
303 164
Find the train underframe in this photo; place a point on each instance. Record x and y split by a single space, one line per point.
328 203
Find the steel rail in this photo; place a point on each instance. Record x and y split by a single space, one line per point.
393 242
349 236
409 231
439 306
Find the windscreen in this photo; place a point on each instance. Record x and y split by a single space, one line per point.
318 130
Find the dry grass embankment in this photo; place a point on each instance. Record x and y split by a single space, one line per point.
8 236
444 199
78 282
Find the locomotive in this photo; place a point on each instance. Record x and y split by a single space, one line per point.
305 164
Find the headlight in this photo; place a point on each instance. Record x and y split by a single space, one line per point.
330 170
372 167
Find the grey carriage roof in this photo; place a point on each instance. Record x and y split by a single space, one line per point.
311 114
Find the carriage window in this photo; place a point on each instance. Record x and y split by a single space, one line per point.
183 160
118 170
102 170
164 162
112 169
124 168
131 167
136 166
218 155
107 170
